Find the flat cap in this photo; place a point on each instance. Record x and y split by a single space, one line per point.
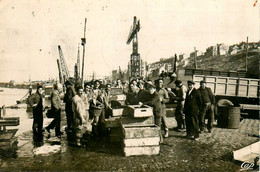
191 82
202 81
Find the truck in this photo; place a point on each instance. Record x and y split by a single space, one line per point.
234 87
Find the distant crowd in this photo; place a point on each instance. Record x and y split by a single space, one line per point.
92 104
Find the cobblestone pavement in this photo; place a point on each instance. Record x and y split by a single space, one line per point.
212 152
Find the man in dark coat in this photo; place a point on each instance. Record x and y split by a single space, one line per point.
56 109
192 110
35 101
207 107
153 100
70 93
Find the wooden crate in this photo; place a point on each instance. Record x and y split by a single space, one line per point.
140 131
138 112
117 111
144 150
9 121
113 122
127 120
140 140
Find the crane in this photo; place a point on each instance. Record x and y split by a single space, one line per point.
83 42
63 66
77 67
135 60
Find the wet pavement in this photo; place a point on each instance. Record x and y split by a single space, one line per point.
212 152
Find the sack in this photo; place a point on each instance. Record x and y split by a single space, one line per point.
50 114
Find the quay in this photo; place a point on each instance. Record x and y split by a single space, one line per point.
213 152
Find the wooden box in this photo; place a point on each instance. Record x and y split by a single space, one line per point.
117 111
127 120
113 122
144 150
115 134
140 131
138 112
140 140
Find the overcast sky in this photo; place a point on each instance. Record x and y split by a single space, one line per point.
31 30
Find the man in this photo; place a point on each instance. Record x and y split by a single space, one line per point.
164 97
142 91
36 102
70 93
56 109
207 107
191 111
132 95
180 98
107 96
79 115
153 100
97 109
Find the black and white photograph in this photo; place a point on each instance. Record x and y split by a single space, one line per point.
129 85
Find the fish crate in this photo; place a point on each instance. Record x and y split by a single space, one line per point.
113 122
138 112
117 111
127 120
140 140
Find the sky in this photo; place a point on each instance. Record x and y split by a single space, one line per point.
31 30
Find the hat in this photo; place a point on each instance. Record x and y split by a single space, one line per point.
150 85
202 81
191 82
178 82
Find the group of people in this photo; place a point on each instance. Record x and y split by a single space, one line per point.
193 105
81 104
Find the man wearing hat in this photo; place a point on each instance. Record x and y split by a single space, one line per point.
35 101
207 107
153 100
164 97
181 91
192 110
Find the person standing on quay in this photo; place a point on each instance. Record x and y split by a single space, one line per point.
79 115
36 102
207 107
192 110
56 109
181 91
70 93
164 97
153 100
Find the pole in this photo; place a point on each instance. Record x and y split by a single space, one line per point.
246 52
83 44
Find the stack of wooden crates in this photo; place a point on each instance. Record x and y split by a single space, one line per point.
134 128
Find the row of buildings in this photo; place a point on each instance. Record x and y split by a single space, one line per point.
167 64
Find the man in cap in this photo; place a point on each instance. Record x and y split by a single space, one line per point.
164 97
192 110
56 109
153 100
35 101
207 107
70 93
181 91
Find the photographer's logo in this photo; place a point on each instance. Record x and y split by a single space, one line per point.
246 166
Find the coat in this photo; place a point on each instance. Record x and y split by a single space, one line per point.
154 101
36 98
79 110
192 102
55 100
